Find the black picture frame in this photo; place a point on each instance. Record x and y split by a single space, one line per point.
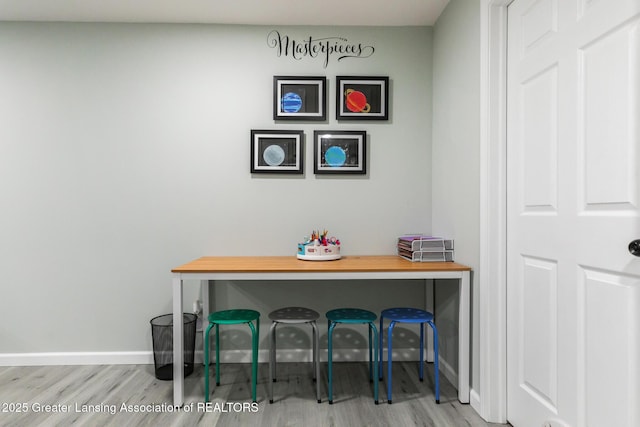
362 98
299 98
277 151
340 152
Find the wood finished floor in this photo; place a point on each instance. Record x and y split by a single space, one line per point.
85 389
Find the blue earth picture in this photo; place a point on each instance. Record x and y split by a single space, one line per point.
291 102
335 156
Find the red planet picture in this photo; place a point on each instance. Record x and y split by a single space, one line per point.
356 101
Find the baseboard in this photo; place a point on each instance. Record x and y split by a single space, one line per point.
474 401
448 372
227 356
77 358
300 355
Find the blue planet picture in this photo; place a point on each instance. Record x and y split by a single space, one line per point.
291 102
273 155
335 156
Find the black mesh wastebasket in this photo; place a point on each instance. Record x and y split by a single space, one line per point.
162 335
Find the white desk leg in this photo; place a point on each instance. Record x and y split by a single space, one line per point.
204 292
429 306
178 344
464 319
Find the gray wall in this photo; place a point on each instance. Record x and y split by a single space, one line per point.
124 152
456 161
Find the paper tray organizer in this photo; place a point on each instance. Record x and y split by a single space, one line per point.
425 248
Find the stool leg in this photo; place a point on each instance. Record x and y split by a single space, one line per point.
381 344
435 360
206 362
332 326
314 349
371 357
274 343
217 354
421 351
316 362
272 359
372 327
255 353
254 358
392 324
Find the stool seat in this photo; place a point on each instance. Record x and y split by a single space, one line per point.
353 316
234 317
291 316
407 315
294 315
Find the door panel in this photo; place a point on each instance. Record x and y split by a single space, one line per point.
609 304
539 22
540 141
538 334
609 132
573 153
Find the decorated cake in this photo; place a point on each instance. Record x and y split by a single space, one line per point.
319 247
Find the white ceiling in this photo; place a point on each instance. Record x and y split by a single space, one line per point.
258 12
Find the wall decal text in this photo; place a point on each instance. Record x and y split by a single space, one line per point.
326 48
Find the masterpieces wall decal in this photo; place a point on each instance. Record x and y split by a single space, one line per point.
326 48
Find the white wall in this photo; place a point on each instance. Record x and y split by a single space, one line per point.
456 164
124 152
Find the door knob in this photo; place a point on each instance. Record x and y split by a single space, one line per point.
634 247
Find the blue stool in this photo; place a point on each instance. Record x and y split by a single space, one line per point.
354 316
232 317
410 315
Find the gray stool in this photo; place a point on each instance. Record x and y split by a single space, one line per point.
293 315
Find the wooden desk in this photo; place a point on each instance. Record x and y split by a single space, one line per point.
290 268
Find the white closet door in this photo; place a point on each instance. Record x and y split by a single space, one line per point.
573 200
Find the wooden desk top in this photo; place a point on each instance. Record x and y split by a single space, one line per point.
290 264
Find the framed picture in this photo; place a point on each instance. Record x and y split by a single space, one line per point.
340 152
299 98
277 151
362 98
